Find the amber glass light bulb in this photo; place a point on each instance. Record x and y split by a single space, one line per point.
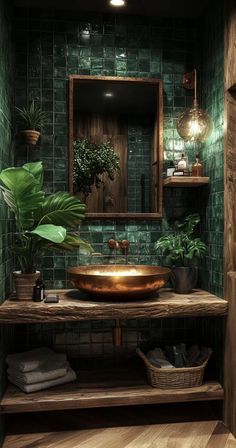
194 125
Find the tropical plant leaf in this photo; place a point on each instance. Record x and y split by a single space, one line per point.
36 169
50 232
62 208
20 192
73 242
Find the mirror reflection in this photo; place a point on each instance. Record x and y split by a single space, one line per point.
115 145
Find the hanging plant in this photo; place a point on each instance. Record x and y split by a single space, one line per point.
91 160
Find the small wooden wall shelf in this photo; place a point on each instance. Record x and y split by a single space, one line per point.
75 307
185 181
104 389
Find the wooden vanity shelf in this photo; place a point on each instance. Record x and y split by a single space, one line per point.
108 388
104 391
185 181
75 307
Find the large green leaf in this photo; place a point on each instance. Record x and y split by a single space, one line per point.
55 234
72 242
62 208
36 169
21 193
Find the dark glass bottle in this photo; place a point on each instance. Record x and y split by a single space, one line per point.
39 291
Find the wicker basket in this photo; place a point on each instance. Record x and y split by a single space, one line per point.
174 378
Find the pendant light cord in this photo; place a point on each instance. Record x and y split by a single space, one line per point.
195 103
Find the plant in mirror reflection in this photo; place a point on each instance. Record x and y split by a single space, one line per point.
91 161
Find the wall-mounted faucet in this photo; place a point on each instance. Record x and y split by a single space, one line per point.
113 244
124 246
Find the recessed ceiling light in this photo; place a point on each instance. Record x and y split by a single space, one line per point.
117 2
108 94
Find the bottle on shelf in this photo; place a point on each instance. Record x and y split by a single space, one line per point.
171 168
197 167
39 291
182 163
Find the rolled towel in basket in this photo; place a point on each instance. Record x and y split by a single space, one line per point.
48 371
34 359
70 376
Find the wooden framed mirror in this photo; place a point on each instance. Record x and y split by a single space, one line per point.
127 112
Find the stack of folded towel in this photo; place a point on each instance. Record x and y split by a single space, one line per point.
39 369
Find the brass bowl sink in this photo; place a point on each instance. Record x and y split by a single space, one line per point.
114 282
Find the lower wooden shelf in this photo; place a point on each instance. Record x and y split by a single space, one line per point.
102 389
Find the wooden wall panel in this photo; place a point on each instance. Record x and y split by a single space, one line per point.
230 215
230 45
111 197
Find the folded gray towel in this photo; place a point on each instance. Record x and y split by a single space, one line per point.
44 373
70 376
34 359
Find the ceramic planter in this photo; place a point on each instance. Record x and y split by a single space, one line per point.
183 278
24 284
31 136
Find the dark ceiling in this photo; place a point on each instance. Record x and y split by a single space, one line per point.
163 8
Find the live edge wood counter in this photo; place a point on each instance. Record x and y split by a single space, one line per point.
75 307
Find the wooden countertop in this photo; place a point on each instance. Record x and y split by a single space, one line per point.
73 306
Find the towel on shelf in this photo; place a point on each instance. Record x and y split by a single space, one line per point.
70 376
48 371
34 359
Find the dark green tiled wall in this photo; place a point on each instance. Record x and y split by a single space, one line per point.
213 150
50 46
6 262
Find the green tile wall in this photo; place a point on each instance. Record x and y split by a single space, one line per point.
139 167
50 45
212 83
6 158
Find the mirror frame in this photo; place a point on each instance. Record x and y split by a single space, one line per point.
157 182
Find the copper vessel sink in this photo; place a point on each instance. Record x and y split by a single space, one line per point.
114 282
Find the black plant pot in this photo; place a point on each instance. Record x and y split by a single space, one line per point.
184 279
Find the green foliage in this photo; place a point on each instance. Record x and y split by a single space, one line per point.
181 248
40 221
32 117
91 160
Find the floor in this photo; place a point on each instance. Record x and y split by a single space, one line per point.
206 434
152 426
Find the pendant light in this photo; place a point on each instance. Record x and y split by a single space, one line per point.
194 125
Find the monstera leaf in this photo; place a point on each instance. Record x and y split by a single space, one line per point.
62 209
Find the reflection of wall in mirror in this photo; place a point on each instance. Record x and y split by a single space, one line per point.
111 197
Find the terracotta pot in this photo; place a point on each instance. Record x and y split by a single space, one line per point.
24 284
31 137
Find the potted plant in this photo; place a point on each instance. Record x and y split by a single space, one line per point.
40 221
182 251
91 160
33 119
